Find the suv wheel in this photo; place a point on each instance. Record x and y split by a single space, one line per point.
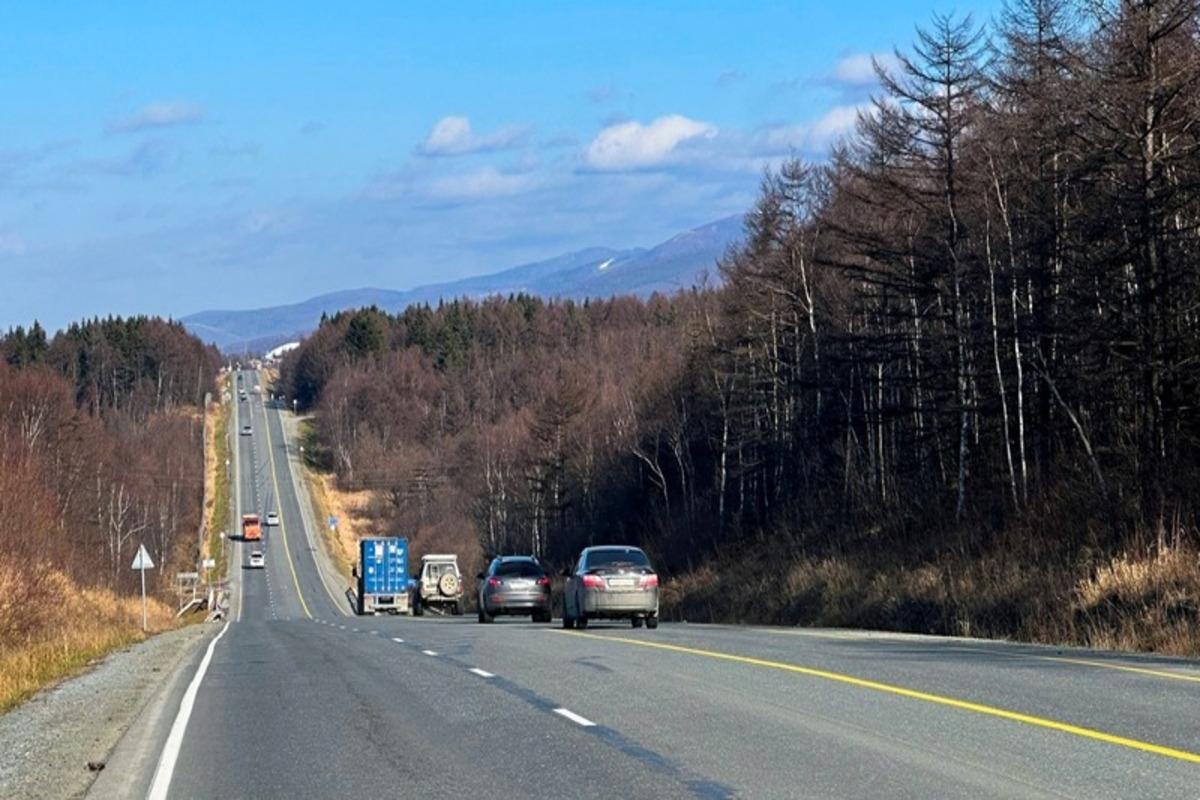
418 609
456 609
484 617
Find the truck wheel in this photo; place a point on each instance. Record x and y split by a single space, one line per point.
652 622
582 621
568 622
635 622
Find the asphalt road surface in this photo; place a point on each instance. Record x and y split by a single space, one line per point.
297 698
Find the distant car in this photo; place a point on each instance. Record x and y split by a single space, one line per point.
256 560
272 518
247 430
611 583
241 394
514 585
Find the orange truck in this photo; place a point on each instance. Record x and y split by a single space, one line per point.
251 528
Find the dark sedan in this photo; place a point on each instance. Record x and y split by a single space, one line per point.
514 585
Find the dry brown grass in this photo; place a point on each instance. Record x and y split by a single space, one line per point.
217 488
351 510
1133 601
71 627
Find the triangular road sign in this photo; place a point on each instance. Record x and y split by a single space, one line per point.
142 559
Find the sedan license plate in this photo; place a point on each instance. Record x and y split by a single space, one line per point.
621 583
520 584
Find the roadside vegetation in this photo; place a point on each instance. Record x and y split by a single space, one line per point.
101 442
218 481
948 384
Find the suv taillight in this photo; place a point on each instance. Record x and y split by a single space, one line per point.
543 581
593 582
495 582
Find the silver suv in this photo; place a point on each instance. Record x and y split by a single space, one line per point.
440 584
611 583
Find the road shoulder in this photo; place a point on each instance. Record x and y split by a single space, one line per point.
108 717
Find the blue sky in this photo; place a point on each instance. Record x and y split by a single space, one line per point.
171 157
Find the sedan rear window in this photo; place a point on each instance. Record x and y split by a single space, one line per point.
617 557
518 569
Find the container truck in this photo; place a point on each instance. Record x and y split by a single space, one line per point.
382 573
251 528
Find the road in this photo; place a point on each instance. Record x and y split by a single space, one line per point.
296 698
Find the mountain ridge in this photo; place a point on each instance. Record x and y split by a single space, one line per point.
681 262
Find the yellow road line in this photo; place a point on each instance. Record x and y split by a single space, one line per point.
1158 673
282 529
941 700
339 605
991 651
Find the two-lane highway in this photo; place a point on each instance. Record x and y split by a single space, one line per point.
299 699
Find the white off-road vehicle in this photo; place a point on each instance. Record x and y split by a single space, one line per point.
440 585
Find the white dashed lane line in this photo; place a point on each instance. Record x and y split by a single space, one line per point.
571 715
565 713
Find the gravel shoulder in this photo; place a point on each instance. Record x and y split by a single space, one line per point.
49 740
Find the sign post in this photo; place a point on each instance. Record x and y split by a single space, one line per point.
142 562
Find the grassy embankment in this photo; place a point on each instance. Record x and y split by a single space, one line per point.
328 501
1142 598
74 626
218 489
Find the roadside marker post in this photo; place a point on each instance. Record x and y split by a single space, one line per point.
142 562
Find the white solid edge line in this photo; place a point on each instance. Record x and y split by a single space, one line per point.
482 673
429 652
571 715
170 752
398 641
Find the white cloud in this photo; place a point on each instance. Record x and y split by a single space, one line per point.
157 115
480 184
632 145
858 69
453 136
814 136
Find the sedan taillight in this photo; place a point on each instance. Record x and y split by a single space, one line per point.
649 581
543 581
593 582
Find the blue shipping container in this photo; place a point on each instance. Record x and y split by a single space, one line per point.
384 565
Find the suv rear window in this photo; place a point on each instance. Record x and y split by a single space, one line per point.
623 557
518 569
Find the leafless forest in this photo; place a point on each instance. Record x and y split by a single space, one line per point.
949 382
101 449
